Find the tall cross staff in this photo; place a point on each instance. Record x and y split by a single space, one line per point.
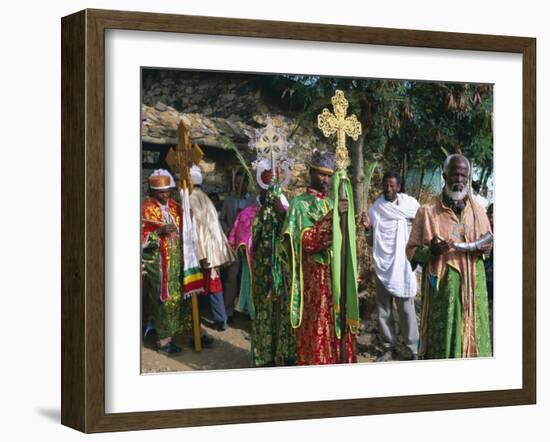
271 144
343 126
182 159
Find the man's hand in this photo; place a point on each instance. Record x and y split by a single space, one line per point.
486 248
439 246
365 219
342 206
205 264
169 229
278 206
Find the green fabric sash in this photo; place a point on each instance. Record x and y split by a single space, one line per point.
352 300
246 304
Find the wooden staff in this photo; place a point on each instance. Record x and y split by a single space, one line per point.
196 324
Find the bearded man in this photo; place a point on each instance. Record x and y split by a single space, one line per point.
448 239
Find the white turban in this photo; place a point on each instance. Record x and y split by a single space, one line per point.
196 175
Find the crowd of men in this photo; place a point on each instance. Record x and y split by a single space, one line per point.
271 260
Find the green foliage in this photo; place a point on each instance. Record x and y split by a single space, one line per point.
369 169
408 123
228 144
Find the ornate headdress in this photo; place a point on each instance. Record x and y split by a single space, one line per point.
161 179
322 161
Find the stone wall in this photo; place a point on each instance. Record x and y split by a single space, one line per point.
232 96
223 111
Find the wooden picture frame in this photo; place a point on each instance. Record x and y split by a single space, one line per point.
83 220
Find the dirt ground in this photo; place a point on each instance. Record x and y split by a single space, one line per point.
231 348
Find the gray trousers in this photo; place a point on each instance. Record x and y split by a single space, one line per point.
231 279
408 325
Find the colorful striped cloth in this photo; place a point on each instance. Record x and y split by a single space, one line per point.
192 272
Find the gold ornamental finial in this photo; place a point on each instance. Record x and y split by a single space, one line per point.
330 123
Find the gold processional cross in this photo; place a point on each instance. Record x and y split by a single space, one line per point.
183 157
330 123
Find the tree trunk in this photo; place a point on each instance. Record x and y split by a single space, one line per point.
482 179
404 183
358 173
486 178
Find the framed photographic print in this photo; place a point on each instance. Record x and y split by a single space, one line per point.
138 87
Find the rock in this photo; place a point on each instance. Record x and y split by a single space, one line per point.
161 107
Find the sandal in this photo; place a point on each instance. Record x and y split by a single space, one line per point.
169 349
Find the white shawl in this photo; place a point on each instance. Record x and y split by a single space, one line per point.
390 236
212 242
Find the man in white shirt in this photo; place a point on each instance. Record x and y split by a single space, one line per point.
478 198
388 224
